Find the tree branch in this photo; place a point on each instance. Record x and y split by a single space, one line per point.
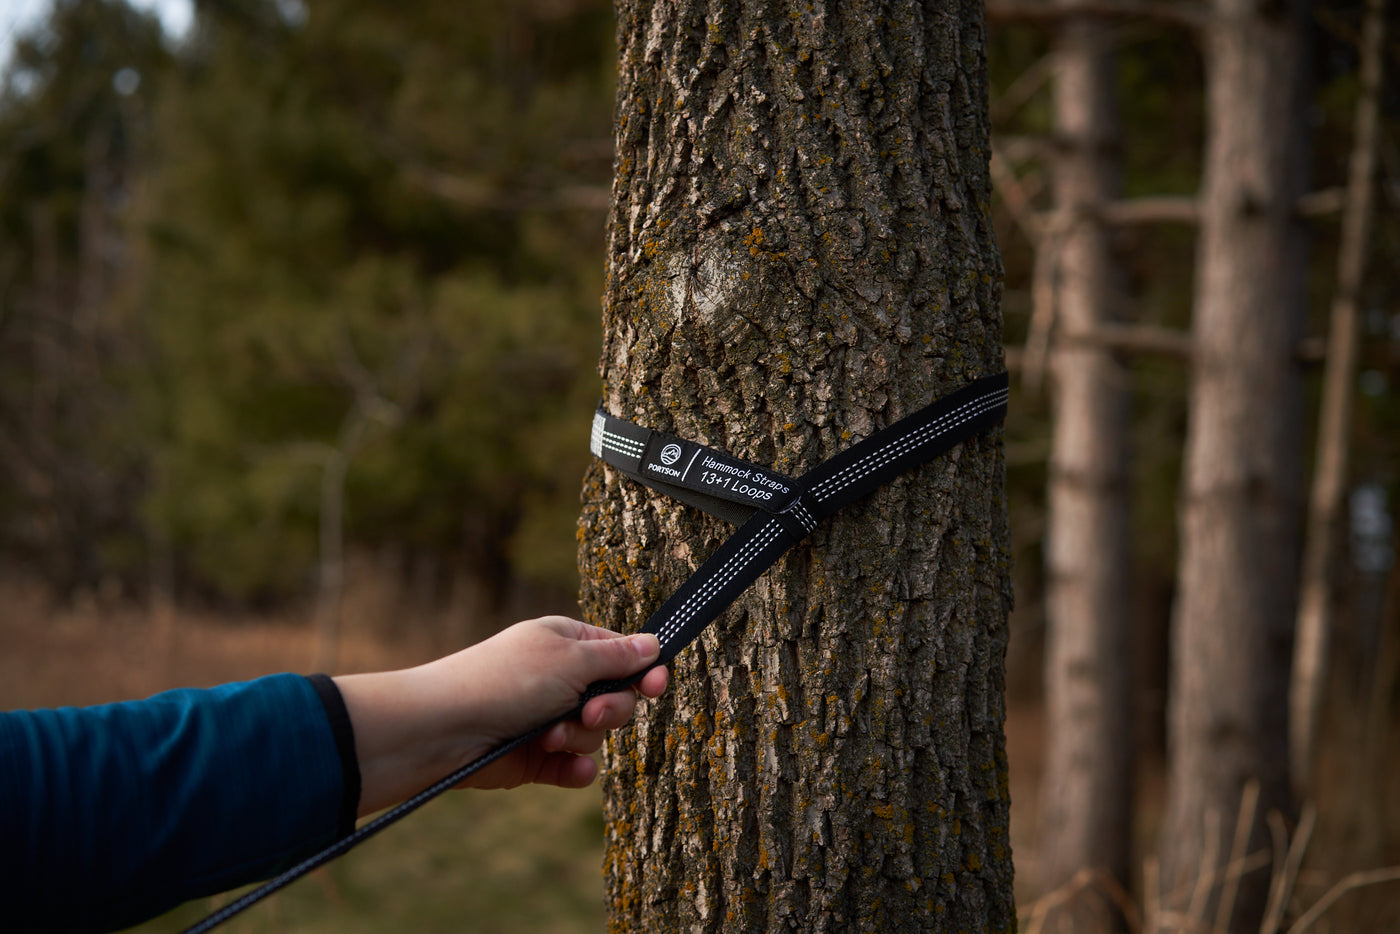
1023 89
476 194
1145 340
1136 339
1322 203
1354 881
1160 209
1016 198
1044 291
1190 16
1022 147
1186 209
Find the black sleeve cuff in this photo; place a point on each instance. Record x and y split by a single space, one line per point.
344 734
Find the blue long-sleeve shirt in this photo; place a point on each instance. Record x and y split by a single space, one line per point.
112 814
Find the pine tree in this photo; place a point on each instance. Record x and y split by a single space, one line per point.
377 203
74 142
1241 485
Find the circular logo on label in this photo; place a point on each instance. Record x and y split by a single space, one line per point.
670 454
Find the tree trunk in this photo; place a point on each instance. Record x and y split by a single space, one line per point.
330 591
800 252
1242 478
1327 497
1087 790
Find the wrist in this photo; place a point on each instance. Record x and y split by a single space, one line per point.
405 734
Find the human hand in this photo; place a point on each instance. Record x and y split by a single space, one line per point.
414 726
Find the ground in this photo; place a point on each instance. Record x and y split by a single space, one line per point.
530 859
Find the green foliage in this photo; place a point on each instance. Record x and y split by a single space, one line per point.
371 205
374 230
74 108
363 235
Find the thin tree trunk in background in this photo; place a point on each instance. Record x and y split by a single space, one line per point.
1327 501
330 589
369 409
1087 789
800 252
1241 486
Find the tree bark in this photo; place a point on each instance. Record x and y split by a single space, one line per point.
801 252
1241 495
1087 789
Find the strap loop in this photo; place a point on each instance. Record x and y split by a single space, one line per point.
817 494
768 527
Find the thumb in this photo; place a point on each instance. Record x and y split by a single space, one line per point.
608 659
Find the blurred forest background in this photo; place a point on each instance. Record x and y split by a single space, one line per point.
299 323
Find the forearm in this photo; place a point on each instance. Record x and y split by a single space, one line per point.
415 726
407 734
150 803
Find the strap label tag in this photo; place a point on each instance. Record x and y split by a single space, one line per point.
668 459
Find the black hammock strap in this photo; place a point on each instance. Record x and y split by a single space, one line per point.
773 512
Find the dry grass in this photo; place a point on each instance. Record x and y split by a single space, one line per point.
528 859
1288 911
55 655
1336 872
1150 917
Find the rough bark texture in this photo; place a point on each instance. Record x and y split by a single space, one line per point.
1087 787
800 252
1242 473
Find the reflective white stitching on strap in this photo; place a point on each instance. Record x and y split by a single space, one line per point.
800 513
881 456
622 444
723 576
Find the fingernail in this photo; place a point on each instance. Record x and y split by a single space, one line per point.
646 645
